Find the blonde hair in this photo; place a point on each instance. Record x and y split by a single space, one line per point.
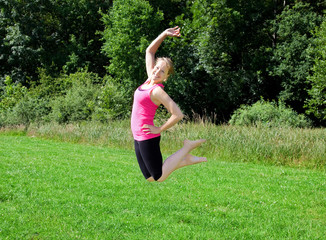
168 62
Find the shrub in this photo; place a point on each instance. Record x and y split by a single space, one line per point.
27 110
11 94
77 105
49 87
63 99
271 114
75 102
112 102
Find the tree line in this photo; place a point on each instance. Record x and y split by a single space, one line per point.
73 60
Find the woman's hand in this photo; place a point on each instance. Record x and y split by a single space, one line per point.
173 32
150 129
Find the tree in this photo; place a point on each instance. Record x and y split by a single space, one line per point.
291 61
220 57
170 9
50 34
316 102
17 55
130 26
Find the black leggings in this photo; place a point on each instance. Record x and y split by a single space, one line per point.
149 157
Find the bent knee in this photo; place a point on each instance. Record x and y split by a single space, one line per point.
157 176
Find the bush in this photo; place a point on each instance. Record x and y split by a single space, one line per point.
77 105
28 110
89 98
11 94
80 96
271 114
112 102
49 87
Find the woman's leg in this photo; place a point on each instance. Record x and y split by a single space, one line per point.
180 159
188 160
149 158
140 160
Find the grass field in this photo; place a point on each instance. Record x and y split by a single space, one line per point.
58 190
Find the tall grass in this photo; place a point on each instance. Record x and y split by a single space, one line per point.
278 146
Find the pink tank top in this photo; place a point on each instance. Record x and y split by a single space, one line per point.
143 112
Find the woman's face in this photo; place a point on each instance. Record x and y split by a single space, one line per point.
160 72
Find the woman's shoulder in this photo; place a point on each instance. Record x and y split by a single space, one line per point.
158 90
158 87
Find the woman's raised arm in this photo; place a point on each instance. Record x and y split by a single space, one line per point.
152 48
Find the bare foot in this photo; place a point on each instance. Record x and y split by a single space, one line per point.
193 144
190 160
194 159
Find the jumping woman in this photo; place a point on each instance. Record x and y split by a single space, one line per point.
147 98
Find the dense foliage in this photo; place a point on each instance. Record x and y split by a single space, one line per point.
76 60
268 114
49 34
316 103
292 62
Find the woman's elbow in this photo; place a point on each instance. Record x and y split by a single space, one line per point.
149 50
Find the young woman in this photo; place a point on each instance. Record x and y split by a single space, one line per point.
147 98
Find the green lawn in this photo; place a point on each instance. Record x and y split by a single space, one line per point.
57 190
